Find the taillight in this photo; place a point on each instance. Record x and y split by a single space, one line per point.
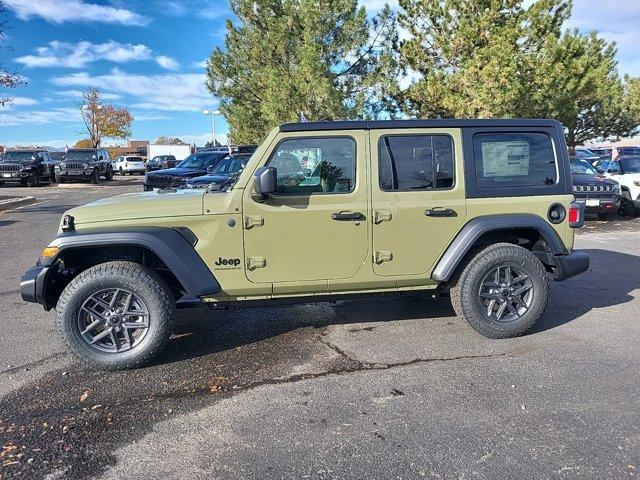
576 215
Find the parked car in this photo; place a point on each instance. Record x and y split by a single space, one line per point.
627 151
586 154
84 164
222 175
324 210
26 167
160 162
602 152
626 171
128 164
599 194
194 165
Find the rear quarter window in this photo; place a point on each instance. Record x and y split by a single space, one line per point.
514 160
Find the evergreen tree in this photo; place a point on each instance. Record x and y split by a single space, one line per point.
287 59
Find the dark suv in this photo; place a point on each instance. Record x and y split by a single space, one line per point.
85 164
599 194
161 161
194 165
26 167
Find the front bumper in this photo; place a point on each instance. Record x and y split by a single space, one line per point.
567 266
7 177
84 174
33 285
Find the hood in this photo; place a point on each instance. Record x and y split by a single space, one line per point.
177 172
210 179
587 179
171 203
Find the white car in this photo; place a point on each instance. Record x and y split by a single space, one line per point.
128 164
625 171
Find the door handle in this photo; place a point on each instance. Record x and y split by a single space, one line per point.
347 216
440 212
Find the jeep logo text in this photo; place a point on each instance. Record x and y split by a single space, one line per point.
233 262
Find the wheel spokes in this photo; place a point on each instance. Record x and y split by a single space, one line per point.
506 293
113 320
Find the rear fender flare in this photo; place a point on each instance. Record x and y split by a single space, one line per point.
478 226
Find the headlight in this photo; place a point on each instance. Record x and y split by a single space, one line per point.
85 165
616 188
575 188
63 165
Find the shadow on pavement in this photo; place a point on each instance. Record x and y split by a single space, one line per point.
611 278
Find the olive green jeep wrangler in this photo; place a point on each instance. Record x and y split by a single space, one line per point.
480 209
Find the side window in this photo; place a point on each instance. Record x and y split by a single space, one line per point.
416 162
514 160
613 167
315 165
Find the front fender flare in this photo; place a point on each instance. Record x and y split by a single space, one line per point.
478 226
173 247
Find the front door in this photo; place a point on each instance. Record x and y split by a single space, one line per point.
315 226
418 198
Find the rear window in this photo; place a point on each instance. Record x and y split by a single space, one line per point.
134 159
514 160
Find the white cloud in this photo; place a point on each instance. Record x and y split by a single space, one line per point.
40 117
145 117
20 101
374 6
40 143
77 94
201 64
167 63
201 139
61 11
169 92
78 55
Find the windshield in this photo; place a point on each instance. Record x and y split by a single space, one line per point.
19 157
200 160
80 155
630 165
580 166
584 153
231 165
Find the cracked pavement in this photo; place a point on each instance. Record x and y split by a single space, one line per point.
389 387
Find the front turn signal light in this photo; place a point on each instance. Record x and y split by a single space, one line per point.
50 252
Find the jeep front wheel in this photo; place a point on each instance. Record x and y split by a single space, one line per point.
115 315
502 291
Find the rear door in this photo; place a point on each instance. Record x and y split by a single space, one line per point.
418 198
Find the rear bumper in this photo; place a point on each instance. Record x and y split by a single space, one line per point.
605 205
567 266
33 285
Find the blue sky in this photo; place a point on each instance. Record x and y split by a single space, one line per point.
148 55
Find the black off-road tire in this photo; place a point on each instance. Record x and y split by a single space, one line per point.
34 181
120 274
627 208
465 291
108 176
59 179
95 177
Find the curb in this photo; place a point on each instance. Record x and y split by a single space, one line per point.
14 202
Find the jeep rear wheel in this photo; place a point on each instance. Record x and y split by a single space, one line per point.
34 181
502 291
115 315
109 174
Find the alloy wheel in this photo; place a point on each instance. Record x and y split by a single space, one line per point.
113 320
506 293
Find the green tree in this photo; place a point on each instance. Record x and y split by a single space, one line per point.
579 85
473 58
168 141
102 120
283 59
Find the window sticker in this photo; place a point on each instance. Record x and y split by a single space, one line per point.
505 159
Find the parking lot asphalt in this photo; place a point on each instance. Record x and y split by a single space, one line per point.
391 387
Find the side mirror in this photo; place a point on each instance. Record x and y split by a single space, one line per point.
264 183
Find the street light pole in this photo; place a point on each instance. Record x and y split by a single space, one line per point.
213 114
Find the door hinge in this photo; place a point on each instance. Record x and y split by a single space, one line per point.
250 222
256 262
381 216
382 256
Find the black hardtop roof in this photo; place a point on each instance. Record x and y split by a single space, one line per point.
428 123
9 150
